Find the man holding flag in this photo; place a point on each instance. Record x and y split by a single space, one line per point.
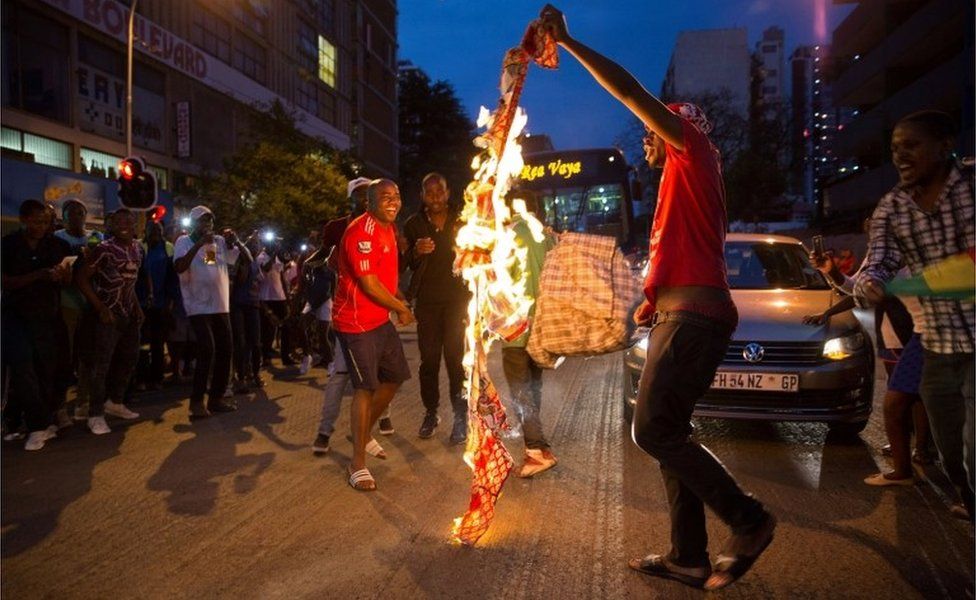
926 222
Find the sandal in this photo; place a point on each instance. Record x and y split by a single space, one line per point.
373 448
656 565
743 551
362 480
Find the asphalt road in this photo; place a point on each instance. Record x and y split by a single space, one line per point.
237 506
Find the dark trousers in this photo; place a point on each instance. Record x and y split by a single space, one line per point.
31 351
214 351
116 352
246 325
524 379
155 329
440 332
948 394
682 357
271 326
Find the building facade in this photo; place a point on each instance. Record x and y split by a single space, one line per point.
771 59
891 58
710 61
200 68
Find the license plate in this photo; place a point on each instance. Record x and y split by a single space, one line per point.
756 382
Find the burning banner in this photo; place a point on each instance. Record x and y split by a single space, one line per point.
486 251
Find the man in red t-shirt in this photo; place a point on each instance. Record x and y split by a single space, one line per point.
366 293
692 317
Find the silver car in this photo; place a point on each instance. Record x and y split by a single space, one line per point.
778 368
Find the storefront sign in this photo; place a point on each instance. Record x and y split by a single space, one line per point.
555 168
183 129
100 106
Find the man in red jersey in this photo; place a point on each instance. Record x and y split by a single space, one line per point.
365 295
692 317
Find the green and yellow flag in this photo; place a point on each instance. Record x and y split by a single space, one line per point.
952 277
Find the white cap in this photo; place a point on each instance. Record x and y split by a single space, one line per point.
355 183
198 211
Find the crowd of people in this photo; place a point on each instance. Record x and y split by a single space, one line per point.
91 318
77 305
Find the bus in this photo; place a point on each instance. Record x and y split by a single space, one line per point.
588 191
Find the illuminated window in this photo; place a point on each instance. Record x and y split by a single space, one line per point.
44 150
327 61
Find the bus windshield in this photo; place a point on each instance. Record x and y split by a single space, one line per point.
584 209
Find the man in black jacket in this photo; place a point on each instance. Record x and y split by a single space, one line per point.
440 300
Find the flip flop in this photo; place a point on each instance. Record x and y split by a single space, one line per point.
362 480
730 566
373 448
656 565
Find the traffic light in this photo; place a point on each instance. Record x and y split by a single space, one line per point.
137 184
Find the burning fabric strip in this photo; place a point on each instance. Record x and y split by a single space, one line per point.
485 252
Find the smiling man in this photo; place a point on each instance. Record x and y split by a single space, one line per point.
926 218
366 294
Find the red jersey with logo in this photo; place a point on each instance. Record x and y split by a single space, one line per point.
368 247
688 234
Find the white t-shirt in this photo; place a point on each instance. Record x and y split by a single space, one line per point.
271 287
205 285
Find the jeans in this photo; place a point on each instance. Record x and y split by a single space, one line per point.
524 379
683 354
116 352
440 332
214 352
30 351
948 394
246 327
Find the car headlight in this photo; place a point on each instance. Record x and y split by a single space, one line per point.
840 348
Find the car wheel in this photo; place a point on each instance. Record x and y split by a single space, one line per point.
847 430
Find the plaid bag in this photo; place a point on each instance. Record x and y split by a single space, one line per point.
587 294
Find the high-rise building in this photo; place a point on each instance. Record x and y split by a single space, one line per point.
710 61
770 58
199 68
814 125
891 58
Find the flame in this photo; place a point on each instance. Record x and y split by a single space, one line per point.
487 252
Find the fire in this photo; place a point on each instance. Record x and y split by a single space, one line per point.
486 251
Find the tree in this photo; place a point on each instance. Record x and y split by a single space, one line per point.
435 135
279 178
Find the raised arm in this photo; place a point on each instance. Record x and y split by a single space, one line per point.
618 81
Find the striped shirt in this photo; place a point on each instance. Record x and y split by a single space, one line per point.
901 233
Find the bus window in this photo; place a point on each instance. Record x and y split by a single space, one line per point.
603 204
562 209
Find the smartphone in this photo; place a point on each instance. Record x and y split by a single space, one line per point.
818 245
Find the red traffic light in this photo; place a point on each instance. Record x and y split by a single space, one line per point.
128 169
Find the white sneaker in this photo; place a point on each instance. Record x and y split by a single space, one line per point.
14 436
52 431
98 426
229 392
36 439
118 410
306 364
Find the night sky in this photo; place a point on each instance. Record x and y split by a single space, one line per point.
463 42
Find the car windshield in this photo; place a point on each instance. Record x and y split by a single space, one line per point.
766 266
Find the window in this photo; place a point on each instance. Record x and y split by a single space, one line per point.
306 96
326 106
327 61
211 33
101 164
767 48
769 89
325 15
44 150
252 14
770 72
35 63
307 47
250 58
